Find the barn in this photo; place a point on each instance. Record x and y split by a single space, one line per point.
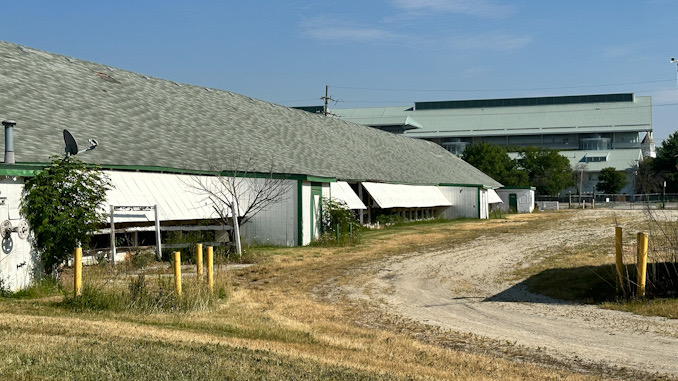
156 139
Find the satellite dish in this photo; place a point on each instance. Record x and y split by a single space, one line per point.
92 144
71 145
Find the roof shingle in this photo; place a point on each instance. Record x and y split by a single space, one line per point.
143 121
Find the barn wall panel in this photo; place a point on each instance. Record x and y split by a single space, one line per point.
464 202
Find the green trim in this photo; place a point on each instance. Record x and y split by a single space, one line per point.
530 188
316 190
219 173
31 169
22 169
464 185
18 172
300 214
318 179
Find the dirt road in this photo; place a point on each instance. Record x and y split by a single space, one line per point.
464 289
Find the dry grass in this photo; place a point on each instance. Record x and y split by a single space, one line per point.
273 326
586 272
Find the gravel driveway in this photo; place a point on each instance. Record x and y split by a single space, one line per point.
464 289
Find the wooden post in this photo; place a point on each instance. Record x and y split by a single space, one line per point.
642 263
177 271
77 276
620 262
198 260
210 267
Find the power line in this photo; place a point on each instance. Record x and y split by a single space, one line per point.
298 100
495 90
326 99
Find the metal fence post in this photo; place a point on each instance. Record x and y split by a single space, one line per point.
177 272
77 276
642 263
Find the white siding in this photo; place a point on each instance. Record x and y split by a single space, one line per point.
177 196
16 266
276 225
310 232
484 206
524 198
464 202
305 212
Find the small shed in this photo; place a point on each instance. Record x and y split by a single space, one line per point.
518 199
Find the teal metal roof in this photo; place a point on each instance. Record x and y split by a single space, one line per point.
149 123
601 117
406 122
594 161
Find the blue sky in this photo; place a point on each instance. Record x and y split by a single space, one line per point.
373 53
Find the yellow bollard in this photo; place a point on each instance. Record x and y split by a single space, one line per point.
210 267
77 276
177 271
642 263
198 260
620 263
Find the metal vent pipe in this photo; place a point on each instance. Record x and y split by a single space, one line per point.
9 141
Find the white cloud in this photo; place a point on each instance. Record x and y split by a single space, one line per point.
338 31
478 8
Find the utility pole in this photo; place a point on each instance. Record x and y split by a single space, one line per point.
327 98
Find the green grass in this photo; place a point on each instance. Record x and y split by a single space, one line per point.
272 325
666 307
96 359
43 288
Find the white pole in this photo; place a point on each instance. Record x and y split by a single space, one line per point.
236 228
112 235
158 243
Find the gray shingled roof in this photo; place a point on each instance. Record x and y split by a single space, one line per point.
148 122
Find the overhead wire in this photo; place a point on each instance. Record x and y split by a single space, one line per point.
497 90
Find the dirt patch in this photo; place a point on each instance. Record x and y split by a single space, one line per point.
465 289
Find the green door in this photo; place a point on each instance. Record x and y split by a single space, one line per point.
513 202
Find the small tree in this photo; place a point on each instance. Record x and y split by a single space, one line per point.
496 163
247 187
578 176
611 181
548 171
61 204
666 162
647 180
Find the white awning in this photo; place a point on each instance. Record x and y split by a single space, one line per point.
175 195
342 192
493 197
406 196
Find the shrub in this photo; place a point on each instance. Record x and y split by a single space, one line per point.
61 206
389 219
339 224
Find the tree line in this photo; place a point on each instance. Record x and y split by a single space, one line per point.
550 173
